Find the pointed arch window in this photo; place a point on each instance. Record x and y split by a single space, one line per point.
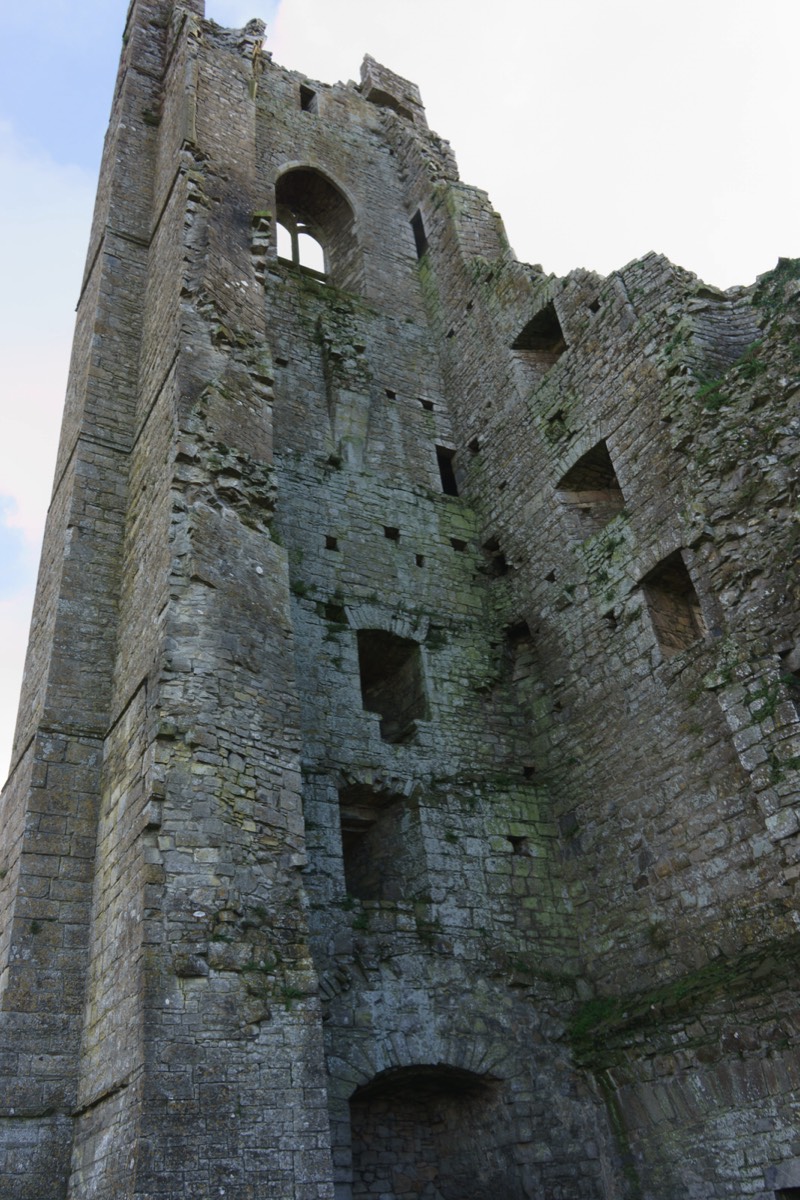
316 228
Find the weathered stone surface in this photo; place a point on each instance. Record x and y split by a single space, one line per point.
404 800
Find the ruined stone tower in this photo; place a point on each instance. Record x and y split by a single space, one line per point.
403 801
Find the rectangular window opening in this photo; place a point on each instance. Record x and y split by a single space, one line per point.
391 532
308 99
426 404
458 544
392 684
445 457
420 237
331 543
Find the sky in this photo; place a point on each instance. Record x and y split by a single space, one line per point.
601 129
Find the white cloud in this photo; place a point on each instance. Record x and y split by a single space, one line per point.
601 131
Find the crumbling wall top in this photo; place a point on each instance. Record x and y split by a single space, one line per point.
383 87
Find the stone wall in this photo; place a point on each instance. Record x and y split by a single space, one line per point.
404 800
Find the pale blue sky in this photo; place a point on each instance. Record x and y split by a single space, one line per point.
601 129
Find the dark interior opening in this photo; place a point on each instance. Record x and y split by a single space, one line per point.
308 99
590 492
541 342
432 1132
381 844
392 683
495 558
673 605
445 457
420 237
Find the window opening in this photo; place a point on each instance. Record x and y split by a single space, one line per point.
285 243
519 652
331 543
541 342
420 560
308 99
445 457
309 252
495 558
319 228
590 492
420 237
594 306
391 394
458 544
426 404
474 446
391 532
296 245
392 684
381 844
673 605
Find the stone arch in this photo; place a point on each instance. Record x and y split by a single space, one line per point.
309 204
431 1130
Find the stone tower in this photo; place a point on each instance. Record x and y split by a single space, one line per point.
404 795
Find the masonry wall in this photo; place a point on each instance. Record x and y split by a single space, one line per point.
404 797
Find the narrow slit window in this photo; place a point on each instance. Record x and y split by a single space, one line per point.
392 684
673 605
420 237
445 457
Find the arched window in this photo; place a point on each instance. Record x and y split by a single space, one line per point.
296 244
316 228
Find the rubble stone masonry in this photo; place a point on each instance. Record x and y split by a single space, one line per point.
404 795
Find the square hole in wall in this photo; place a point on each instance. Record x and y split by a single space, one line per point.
331 543
392 683
391 532
382 851
458 544
428 405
